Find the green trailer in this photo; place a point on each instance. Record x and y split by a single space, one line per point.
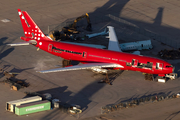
32 107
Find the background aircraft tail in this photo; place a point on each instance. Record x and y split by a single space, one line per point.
31 30
113 41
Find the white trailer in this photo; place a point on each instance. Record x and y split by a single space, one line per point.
10 106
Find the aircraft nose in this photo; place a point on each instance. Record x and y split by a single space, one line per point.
170 68
173 69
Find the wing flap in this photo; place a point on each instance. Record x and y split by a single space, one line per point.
83 66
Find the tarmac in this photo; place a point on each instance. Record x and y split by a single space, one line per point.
81 87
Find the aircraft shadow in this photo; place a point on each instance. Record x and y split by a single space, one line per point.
6 52
81 98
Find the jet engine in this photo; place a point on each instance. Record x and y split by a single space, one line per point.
99 70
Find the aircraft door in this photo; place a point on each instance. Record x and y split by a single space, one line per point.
50 47
84 54
134 63
159 66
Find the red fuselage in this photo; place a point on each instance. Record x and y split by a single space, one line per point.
88 55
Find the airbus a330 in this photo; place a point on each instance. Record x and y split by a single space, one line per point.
99 60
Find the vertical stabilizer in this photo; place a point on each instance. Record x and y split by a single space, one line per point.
113 41
31 30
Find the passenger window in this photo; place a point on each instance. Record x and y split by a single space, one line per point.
143 65
128 64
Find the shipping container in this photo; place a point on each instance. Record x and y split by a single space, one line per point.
10 106
33 107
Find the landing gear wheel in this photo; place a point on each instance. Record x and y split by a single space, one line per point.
106 80
66 62
149 77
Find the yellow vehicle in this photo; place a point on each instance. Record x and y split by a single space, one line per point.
72 29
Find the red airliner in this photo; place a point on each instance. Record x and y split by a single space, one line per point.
99 60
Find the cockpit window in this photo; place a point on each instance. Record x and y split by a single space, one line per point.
169 66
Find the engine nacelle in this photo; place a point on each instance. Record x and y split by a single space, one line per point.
99 70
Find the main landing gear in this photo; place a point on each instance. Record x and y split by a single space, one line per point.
149 77
110 77
66 62
106 80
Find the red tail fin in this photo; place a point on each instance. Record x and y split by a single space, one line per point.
31 30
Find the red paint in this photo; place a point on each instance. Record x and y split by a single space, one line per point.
87 54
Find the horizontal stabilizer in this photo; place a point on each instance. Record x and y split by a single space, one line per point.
136 53
97 34
23 43
83 66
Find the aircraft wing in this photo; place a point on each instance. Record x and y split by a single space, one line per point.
88 45
84 66
113 41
